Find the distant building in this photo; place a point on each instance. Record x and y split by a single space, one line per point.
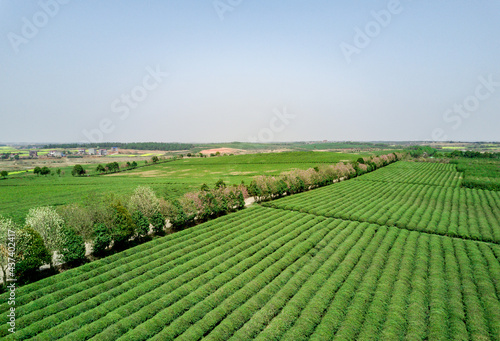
33 153
92 151
81 151
103 152
114 149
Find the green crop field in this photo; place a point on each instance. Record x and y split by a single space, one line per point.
271 273
440 206
22 191
480 173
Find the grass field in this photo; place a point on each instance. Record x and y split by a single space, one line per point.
22 191
271 273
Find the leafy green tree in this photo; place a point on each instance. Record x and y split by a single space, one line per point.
281 187
155 159
31 253
73 247
134 164
142 224
176 214
254 189
4 174
58 171
37 170
113 167
78 170
100 169
123 227
204 188
45 171
102 239
158 222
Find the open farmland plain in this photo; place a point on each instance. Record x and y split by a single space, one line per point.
399 253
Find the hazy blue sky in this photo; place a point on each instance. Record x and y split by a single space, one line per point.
241 70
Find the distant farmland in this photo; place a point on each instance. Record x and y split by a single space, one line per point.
20 192
399 253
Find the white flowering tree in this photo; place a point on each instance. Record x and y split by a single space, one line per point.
49 224
145 201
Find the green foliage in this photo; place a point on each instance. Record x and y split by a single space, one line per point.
142 224
100 169
269 274
78 170
158 222
155 159
4 174
102 239
175 212
73 246
113 167
31 253
479 172
419 151
123 227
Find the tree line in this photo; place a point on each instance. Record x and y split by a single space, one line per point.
130 145
53 235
